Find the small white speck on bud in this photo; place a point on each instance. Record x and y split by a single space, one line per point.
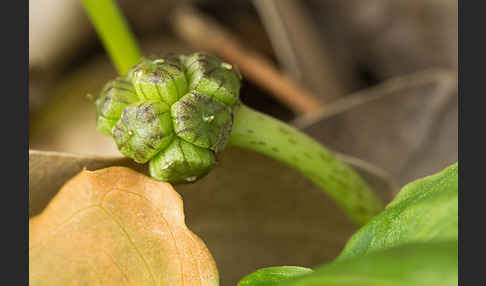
140 74
130 132
209 118
166 166
226 66
191 179
159 61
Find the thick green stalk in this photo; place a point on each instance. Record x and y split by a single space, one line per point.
261 133
114 32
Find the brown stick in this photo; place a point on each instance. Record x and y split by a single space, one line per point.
302 52
207 34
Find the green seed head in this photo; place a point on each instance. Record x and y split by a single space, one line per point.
174 112
210 76
202 121
144 130
161 79
111 101
181 162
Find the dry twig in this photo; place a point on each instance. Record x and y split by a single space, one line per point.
207 34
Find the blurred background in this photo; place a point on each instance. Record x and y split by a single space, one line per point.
327 50
375 80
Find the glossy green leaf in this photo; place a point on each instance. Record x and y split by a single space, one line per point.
427 264
412 242
271 276
424 210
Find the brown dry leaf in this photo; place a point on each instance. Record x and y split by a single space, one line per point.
250 207
49 171
115 226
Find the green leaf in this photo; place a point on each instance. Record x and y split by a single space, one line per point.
425 264
271 276
424 210
412 242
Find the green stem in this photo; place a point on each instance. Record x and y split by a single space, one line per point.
114 32
254 130
261 133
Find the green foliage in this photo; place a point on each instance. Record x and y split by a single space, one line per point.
424 210
272 276
412 242
424 264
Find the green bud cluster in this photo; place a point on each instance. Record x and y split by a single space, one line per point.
174 112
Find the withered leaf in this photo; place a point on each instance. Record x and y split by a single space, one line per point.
48 171
115 226
221 210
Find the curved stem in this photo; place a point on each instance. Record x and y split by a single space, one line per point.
261 133
254 130
112 28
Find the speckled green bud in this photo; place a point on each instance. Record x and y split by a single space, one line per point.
161 79
202 121
182 162
210 76
174 112
144 130
111 101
